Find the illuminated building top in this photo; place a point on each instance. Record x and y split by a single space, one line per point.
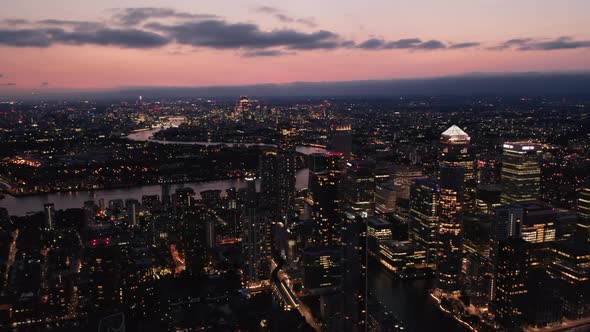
455 135
523 146
345 127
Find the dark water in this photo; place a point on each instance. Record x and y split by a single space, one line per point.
75 199
409 301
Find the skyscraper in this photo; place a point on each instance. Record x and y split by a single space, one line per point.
193 237
324 178
521 172
131 207
354 264
423 222
257 246
535 225
378 231
341 139
570 270
404 177
583 226
450 230
456 150
322 268
359 184
385 197
584 203
277 180
511 281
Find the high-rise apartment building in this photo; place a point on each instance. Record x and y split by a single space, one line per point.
424 215
450 230
324 182
511 280
277 181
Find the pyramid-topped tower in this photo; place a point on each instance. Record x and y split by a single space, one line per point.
454 135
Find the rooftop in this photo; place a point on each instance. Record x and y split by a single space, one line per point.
455 135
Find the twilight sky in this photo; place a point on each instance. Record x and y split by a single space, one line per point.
85 45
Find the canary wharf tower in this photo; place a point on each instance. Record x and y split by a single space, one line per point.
456 150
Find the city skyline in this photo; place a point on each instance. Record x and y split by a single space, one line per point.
180 44
310 214
264 166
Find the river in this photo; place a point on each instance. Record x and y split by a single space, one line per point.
409 301
75 199
146 135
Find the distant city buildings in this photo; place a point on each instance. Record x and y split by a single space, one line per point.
278 215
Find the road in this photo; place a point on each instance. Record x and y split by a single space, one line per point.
282 280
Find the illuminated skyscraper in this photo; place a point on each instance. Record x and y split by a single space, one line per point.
256 246
243 108
450 230
583 226
511 281
385 197
359 188
539 222
277 180
507 223
570 269
378 231
584 203
456 150
354 264
322 268
131 206
404 177
256 241
521 172
423 222
341 139
530 222
193 237
324 180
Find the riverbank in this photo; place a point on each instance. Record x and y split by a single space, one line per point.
146 135
410 301
75 199
114 187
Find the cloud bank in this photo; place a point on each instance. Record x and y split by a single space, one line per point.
155 27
